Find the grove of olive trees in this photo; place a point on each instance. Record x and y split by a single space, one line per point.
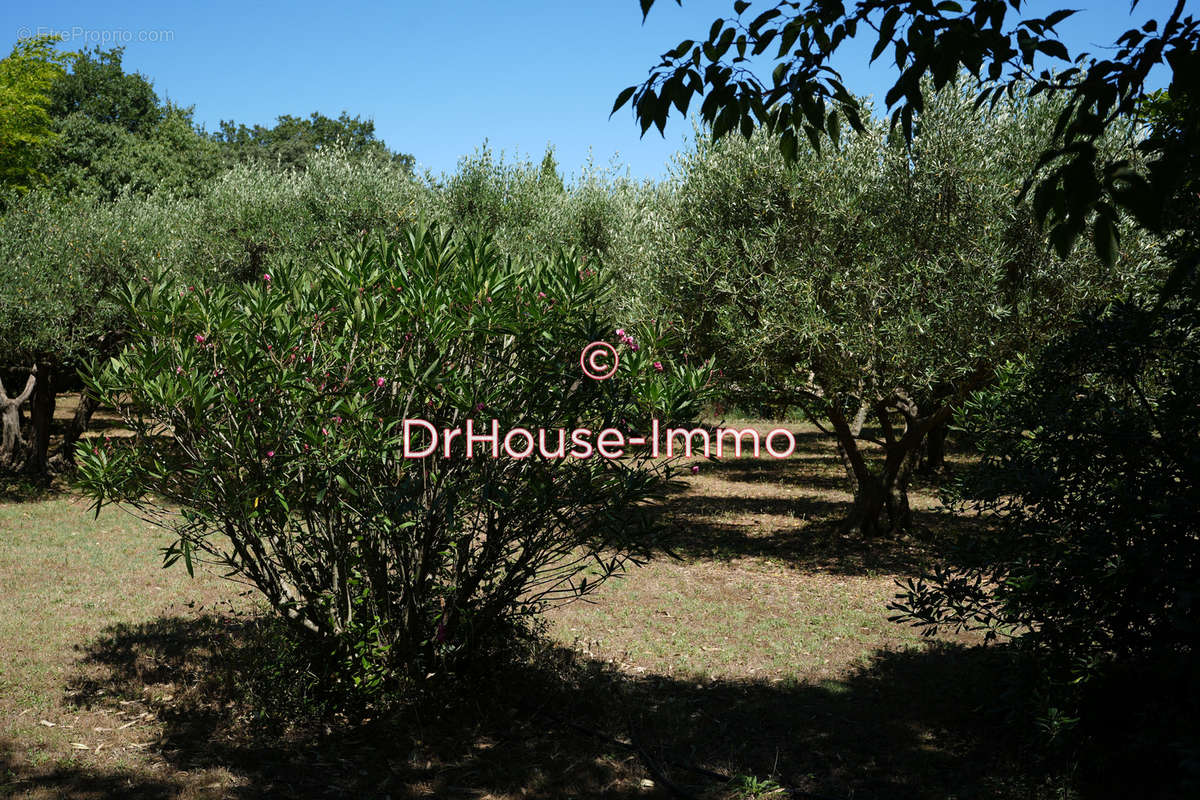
1005 249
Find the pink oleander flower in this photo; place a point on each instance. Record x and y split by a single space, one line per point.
199 338
270 454
695 470
324 431
633 345
379 382
267 276
179 370
621 333
658 366
542 294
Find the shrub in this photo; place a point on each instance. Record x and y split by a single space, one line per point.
273 414
1089 462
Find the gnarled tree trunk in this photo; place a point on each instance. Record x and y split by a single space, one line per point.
881 492
934 459
41 417
12 443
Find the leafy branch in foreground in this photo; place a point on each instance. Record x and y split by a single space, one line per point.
1073 185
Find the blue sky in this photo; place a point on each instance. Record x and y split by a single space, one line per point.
439 78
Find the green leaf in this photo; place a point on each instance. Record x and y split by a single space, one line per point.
791 32
833 125
1058 16
1055 49
1105 239
681 49
763 19
726 119
787 145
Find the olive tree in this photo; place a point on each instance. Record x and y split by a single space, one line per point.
60 259
999 45
874 284
529 208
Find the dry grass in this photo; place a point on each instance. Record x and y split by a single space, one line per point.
761 649
766 583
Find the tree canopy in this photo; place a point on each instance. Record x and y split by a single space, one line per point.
27 80
878 282
99 88
292 139
993 41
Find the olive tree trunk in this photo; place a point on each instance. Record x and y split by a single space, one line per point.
41 417
881 503
78 425
934 458
12 443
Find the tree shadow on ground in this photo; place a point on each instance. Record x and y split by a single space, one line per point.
914 724
79 782
808 533
812 473
800 516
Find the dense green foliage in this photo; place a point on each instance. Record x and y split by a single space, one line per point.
27 78
99 88
1090 465
272 412
932 43
529 208
876 282
60 257
59 260
292 140
114 137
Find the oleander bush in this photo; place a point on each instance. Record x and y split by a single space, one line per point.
271 420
